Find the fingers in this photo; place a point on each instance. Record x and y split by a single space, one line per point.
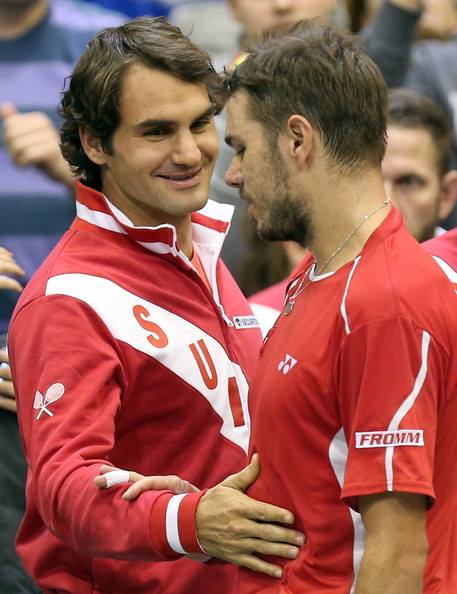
9 266
159 483
10 283
34 147
8 404
256 564
7 110
5 371
243 479
6 384
19 124
31 138
265 512
273 549
109 477
270 533
7 395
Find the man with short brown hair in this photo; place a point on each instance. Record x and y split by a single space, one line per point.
416 166
357 380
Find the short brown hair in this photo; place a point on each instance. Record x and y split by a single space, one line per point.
92 98
322 74
410 109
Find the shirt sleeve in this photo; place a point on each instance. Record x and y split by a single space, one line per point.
390 382
419 74
69 377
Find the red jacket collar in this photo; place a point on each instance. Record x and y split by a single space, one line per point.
210 225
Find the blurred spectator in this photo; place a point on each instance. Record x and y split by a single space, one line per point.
437 21
431 69
13 580
210 25
134 8
416 164
433 73
40 40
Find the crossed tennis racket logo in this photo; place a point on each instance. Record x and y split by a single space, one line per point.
53 393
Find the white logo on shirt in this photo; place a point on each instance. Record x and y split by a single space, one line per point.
287 365
245 322
385 439
53 393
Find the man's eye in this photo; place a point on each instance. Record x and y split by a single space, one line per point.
409 181
201 124
157 132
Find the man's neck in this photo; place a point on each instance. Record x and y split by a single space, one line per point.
349 211
141 215
16 19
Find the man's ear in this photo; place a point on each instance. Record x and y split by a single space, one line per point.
300 140
448 194
92 146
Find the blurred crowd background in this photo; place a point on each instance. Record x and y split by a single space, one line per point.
414 43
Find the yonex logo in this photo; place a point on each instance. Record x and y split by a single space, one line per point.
287 365
385 439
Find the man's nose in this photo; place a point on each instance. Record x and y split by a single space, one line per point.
233 175
186 150
282 5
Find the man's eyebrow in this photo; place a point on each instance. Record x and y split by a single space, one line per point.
209 112
153 123
233 140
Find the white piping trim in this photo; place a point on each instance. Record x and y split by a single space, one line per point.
218 211
343 302
406 406
101 219
448 270
171 523
158 247
338 453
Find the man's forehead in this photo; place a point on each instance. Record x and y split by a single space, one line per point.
413 140
238 115
150 94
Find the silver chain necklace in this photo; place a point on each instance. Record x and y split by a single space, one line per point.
293 298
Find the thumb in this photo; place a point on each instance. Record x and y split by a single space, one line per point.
7 109
243 479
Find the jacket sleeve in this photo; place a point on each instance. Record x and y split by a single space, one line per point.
70 378
388 41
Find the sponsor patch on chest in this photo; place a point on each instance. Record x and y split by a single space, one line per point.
385 439
245 322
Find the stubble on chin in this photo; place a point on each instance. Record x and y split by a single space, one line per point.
286 220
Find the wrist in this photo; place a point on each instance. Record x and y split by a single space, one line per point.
173 524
